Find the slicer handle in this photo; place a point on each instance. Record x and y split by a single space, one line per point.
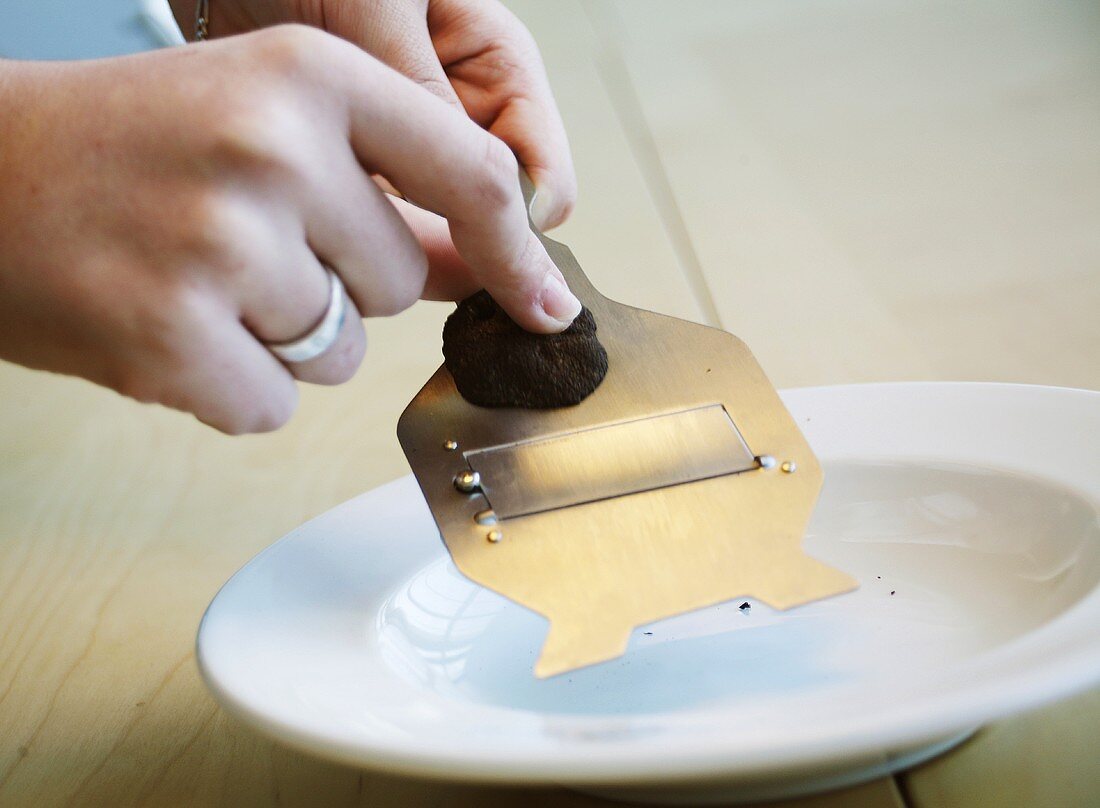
529 191
561 255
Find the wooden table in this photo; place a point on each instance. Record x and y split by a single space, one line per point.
862 190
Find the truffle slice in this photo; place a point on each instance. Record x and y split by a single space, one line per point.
495 363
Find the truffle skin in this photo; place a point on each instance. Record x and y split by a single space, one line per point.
495 363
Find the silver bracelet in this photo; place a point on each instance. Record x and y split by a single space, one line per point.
202 18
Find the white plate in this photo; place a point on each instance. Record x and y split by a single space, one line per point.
967 511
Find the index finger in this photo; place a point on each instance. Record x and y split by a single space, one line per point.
450 165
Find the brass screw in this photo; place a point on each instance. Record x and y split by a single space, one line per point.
789 467
450 445
494 535
467 481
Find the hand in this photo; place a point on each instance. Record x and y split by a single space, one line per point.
163 215
474 54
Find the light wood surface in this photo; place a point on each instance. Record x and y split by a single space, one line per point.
861 190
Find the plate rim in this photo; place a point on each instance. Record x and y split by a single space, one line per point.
592 764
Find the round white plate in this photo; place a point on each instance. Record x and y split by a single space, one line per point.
967 511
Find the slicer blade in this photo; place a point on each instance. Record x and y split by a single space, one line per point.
681 482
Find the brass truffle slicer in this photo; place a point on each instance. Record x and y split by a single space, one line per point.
681 482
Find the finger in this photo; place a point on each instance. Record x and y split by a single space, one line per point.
449 277
453 167
397 34
352 226
284 292
527 117
272 311
225 377
340 361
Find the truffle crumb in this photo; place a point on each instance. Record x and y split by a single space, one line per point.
745 606
648 633
892 591
495 363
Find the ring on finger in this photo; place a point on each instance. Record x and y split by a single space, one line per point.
323 335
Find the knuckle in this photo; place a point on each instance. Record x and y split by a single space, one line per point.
402 291
271 419
289 49
272 411
396 300
263 113
497 185
255 134
219 228
208 219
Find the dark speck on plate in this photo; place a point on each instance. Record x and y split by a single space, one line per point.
745 606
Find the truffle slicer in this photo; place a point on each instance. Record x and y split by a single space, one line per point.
681 482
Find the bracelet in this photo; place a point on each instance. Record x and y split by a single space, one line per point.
202 17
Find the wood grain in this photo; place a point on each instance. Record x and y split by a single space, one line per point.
118 522
876 190
1046 757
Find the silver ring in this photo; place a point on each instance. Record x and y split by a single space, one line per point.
323 335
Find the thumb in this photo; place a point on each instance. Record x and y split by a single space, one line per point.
397 34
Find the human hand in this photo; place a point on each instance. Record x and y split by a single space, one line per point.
474 54
163 215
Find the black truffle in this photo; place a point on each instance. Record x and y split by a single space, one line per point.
495 363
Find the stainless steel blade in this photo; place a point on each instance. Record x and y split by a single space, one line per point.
681 482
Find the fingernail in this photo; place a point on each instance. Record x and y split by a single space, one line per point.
557 300
542 209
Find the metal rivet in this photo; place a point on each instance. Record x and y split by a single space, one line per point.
467 481
486 517
494 535
789 467
450 445
766 461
